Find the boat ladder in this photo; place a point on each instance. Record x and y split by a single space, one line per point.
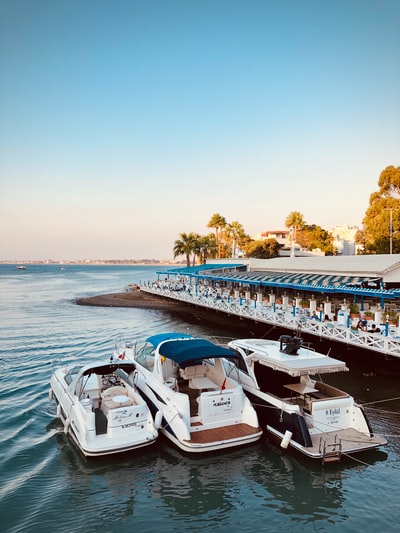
330 453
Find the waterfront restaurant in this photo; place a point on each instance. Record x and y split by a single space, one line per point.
368 284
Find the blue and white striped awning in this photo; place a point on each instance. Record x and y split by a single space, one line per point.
324 283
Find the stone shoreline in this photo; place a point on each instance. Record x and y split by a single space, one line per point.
192 314
133 298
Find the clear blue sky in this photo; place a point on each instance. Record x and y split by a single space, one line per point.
124 123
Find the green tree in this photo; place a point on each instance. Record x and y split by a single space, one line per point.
207 247
263 249
218 222
316 237
359 239
309 236
295 221
187 245
233 237
382 218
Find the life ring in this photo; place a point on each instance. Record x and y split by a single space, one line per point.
121 355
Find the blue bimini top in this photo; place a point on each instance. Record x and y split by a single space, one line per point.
186 350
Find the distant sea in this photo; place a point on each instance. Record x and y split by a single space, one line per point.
47 485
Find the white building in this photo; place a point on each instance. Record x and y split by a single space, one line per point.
344 239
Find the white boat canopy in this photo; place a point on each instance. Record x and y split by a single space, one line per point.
307 362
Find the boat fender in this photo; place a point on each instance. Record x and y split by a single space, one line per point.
66 425
286 439
58 410
158 420
50 394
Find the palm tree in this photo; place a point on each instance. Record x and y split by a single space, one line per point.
295 221
234 232
186 245
207 247
218 222
196 249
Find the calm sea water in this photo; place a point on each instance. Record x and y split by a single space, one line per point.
46 484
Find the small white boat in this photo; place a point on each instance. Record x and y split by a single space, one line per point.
101 409
294 406
184 378
21 267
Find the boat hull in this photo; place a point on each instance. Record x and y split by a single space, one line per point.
102 421
304 413
192 438
202 409
314 444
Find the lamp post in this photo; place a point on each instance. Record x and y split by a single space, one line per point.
292 252
391 232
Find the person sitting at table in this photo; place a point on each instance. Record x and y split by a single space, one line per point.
314 316
360 325
374 329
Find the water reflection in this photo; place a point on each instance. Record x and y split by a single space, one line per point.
197 485
302 488
257 479
111 487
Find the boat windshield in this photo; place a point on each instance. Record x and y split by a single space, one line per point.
238 361
69 376
145 356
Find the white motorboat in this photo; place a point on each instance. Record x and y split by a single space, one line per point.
184 378
293 405
101 408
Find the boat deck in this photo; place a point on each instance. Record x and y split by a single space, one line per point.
225 433
344 441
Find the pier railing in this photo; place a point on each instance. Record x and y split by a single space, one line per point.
386 342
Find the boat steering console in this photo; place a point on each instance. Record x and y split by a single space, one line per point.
110 380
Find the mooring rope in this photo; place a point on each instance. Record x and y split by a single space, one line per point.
381 401
356 460
382 411
386 435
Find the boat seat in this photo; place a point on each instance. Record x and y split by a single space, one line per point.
114 391
191 372
114 398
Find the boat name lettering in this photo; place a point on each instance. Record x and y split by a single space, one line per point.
124 414
333 412
222 403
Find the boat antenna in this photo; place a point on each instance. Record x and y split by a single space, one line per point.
268 332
